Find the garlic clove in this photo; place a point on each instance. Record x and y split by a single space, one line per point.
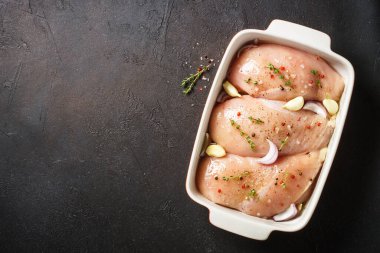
295 104
331 106
230 89
215 150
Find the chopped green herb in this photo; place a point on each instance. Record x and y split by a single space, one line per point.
318 83
283 182
248 80
314 72
252 193
279 73
283 143
255 82
237 177
256 121
243 134
317 77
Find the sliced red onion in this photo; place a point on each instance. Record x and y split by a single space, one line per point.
223 96
243 48
271 156
206 142
315 107
289 213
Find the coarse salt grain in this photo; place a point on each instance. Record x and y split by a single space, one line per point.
302 66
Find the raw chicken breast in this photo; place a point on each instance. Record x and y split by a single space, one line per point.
256 189
293 73
238 121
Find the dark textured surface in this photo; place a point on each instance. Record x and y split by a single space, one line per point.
95 135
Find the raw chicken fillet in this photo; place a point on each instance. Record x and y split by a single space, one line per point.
298 74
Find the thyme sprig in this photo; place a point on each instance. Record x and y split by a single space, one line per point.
237 177
252 193
283 143
243 134
189 82
255 121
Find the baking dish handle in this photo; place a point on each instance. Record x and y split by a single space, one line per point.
239 225
300 33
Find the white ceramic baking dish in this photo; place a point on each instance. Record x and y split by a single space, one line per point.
296 36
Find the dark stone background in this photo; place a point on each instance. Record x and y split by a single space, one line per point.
95 135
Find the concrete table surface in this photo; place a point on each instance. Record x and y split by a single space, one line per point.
95 135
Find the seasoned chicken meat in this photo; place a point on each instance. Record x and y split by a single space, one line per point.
256 189
239 122
281 73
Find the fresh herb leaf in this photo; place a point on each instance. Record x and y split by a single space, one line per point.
189 82
314 72
280 74
236 177
252 193
283 143
243 134
256 121
317 77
